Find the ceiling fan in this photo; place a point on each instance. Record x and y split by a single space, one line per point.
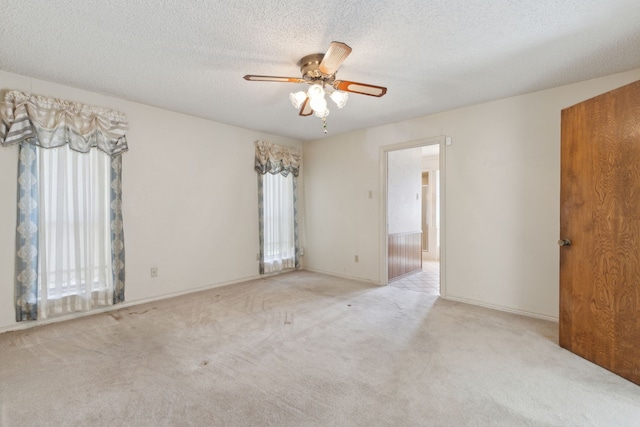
319 71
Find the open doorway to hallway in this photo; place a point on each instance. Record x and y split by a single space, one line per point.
426 280
413 218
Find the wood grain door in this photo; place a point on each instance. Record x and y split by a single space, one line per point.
600 215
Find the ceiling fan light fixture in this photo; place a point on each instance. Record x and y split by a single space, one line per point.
319 71
318 103
297 99
316 91
340 98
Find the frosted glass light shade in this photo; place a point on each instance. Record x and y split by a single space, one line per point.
315 91
318 104
297 99
340 98
322 114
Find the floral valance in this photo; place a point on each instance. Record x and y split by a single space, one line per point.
277 159
50 122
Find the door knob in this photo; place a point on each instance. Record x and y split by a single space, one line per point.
564 242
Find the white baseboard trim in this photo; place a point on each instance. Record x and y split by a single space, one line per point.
502 308
31 324
344 276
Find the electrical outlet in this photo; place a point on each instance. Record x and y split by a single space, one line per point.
154 271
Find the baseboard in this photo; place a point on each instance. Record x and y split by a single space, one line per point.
32 324
501 308
343 276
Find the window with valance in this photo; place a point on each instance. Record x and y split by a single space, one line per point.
69 234
278 168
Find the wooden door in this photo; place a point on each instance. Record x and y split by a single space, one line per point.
600 215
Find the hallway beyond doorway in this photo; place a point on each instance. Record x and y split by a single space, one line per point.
425 281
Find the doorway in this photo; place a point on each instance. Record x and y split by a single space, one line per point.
412 256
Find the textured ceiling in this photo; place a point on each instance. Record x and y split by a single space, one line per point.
189 56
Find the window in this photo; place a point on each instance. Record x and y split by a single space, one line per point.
74 260
69 234
279 237
278 168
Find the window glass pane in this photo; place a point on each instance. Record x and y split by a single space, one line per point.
75 256
279 243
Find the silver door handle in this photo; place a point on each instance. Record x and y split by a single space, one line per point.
564 242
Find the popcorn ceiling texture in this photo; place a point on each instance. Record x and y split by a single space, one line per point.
190 56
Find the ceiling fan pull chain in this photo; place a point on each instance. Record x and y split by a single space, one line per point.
324 124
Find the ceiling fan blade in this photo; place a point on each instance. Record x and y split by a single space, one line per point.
306 110
255 78
335 56
361 88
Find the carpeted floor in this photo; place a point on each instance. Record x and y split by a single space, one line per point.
303 349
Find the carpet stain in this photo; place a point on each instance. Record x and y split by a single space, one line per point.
287 320
204 363
143 312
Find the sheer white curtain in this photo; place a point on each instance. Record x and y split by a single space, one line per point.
75 265
279 236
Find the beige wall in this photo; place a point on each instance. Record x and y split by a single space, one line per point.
502 197
189 199
432 165
404 182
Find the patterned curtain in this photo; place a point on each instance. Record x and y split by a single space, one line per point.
50 122
37 122
27 236
117 231
271 158
275 159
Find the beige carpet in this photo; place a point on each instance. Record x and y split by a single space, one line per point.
305 349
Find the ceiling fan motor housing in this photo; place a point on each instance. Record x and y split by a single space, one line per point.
309 68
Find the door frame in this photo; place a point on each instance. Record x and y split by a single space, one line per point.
384 226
